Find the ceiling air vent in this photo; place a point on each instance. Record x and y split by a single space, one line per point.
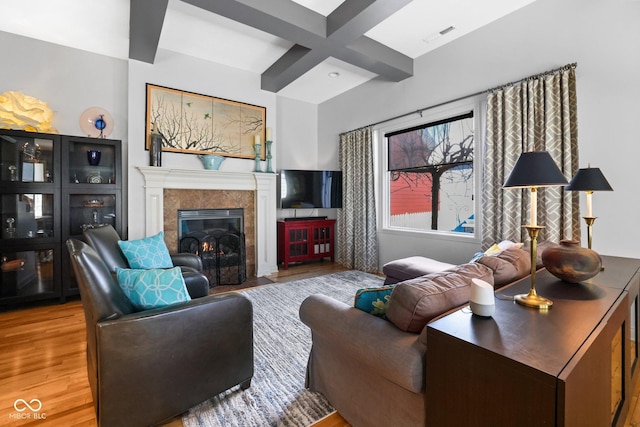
447 30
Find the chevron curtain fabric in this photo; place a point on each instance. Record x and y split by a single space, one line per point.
357 243
539 114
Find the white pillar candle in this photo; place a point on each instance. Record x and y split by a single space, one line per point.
257 139
269 134
589 212
534 207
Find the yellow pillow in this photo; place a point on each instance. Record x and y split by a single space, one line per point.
502 246
493 250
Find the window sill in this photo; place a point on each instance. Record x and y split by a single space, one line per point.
435 235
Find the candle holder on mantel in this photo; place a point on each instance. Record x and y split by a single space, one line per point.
269 170
258 148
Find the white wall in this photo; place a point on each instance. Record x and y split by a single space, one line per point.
194 75
70 80
297 139
602 36
297 147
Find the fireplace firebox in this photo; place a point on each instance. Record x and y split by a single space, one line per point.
217 237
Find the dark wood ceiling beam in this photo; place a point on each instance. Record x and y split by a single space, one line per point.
293 64
345 41
353 18
315 37
373 56
145 26
364 53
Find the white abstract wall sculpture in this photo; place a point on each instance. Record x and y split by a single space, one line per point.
20 111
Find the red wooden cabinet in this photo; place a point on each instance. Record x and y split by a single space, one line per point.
304 240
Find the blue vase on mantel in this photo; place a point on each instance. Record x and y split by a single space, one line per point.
211 161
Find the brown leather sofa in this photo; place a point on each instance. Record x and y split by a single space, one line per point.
149 366
104 240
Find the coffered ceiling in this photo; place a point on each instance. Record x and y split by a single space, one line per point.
311 50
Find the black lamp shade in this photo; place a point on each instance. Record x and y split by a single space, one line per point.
535 169
589 179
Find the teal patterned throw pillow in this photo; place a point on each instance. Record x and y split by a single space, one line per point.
373 300
150 252
153 288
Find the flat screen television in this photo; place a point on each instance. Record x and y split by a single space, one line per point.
309 189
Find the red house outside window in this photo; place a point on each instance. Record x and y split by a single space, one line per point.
431 176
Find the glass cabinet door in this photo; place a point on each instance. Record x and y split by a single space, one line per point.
91 210
26 159
91 162
27 273
27 215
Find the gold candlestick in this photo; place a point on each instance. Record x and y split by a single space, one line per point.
589 220
532 299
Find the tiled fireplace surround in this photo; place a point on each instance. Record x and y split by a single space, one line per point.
167 190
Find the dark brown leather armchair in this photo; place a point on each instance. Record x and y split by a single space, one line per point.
104 240
146 367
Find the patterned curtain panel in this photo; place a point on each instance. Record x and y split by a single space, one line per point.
357 245
540 114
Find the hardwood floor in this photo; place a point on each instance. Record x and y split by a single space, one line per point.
42 356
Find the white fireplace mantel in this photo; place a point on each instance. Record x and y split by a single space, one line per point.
264 185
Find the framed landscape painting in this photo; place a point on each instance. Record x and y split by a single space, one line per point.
201 124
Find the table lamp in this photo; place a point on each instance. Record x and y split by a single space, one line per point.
589 180
532 170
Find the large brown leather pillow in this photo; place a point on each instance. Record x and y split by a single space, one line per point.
417 301
508 266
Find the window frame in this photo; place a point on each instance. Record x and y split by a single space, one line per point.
476 104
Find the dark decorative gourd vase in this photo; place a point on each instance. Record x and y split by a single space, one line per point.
571 262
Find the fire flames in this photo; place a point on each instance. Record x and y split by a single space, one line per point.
208 247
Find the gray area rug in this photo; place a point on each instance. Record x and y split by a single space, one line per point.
277 396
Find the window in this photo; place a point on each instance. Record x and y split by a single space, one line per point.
430 174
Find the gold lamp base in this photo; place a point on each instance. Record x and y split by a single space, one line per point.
590 220
532 299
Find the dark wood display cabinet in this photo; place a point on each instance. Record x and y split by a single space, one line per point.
305 240
51 186
91 192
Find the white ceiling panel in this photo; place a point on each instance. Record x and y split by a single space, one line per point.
192 31
103 28
316 86
96 26
414 30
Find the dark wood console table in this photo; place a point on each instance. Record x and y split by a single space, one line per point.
573 365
